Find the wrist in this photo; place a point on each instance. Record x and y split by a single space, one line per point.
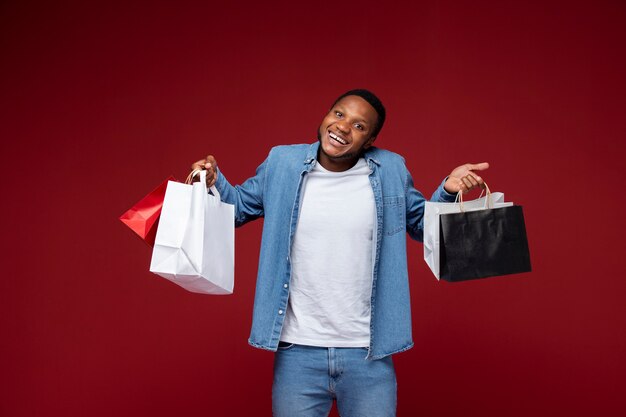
447 187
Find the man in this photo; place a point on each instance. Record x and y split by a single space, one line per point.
332 296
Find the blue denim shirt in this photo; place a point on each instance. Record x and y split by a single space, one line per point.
274 194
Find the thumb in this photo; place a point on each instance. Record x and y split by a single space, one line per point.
478 167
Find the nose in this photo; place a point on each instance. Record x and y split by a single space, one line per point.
343 126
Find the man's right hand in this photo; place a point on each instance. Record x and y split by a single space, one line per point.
210 166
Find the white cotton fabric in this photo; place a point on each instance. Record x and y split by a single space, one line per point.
331 259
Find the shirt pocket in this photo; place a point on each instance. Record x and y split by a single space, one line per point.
393 215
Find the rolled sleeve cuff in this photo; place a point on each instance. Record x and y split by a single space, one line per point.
444 196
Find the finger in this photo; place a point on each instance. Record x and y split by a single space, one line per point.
211 168
478 167
210 159
211 176
198 164
210 180
461 187
479 181
472 180
467 183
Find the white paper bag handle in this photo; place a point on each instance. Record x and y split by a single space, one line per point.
202 173
192 174
488 200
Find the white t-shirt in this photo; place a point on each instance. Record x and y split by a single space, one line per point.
331 259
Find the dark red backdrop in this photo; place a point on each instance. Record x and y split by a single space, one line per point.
101 101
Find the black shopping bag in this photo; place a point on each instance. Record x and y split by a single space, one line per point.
483 243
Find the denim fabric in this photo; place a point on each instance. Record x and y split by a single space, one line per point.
274 193
307 379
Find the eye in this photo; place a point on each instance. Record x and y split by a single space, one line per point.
338 113
359 126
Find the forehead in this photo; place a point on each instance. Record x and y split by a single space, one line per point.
358 107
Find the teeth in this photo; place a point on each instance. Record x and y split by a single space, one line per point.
337 138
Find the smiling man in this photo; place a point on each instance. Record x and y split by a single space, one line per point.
332 294
350 127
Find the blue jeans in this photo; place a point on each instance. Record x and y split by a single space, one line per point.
307 379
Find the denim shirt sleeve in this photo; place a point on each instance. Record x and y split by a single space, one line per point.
441 195
247 197
415 202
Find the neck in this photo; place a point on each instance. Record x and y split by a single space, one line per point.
337 164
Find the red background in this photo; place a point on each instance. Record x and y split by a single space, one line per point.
100 102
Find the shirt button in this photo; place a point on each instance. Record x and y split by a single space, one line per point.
285 286
280 311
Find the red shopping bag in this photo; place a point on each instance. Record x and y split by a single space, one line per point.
143 217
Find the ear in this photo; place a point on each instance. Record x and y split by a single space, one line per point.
369 142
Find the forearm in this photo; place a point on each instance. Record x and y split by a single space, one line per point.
247 197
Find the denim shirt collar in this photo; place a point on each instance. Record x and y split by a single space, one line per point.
311 156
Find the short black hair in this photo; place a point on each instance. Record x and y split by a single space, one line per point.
373 101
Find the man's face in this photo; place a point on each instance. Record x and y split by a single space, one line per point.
346 132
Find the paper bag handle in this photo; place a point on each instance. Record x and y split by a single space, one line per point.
192 174
488 200
202 173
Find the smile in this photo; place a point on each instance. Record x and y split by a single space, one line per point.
337 138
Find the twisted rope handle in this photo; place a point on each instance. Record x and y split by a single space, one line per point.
191 175
195 172
488 200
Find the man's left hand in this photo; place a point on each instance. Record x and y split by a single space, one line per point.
463 178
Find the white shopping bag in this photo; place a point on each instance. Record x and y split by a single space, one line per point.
195 240
431 222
